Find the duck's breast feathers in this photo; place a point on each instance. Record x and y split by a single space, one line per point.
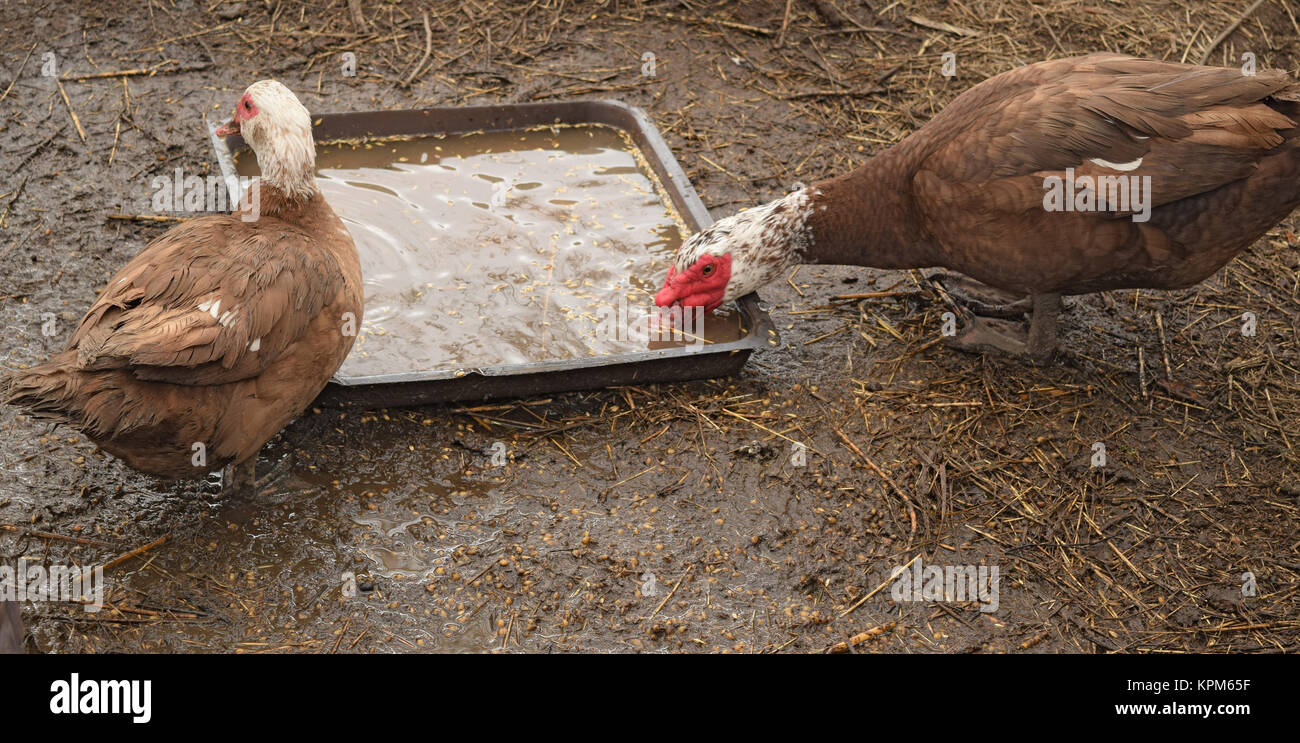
213 300
1190 128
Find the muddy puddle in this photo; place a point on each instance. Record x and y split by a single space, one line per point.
512 247
337 542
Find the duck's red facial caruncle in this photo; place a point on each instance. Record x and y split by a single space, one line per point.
703 284
244 110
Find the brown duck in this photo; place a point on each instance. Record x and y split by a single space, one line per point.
1021 184
223 329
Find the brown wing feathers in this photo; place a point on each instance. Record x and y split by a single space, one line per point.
1194 130
218 332
1114 108
209 310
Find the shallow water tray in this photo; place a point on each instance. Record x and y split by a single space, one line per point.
673 364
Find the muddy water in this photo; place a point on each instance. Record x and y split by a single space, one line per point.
340 543
503 248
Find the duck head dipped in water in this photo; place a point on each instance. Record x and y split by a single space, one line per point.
1063 177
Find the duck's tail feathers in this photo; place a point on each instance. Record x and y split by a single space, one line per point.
57 390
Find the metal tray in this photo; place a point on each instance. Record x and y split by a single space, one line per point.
536 378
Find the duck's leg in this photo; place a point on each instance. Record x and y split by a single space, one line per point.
1042 328
982 334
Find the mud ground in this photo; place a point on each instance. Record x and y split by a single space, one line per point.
670 518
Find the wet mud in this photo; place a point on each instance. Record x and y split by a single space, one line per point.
760 513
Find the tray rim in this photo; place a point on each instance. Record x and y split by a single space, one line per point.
761 330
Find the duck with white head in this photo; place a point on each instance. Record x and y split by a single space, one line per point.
277 126
1198 162
223 329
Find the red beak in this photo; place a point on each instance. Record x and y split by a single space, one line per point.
668 294
228 128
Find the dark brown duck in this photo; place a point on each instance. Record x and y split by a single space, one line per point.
1215 152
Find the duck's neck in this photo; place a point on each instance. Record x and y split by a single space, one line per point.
264 198
288 165
867 218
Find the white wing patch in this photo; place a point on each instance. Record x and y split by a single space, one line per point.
213 307
1134 165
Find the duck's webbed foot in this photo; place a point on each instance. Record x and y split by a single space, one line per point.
239 479
243 478
982 299
982 334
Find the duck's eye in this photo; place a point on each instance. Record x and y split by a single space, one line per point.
248 105
708 270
